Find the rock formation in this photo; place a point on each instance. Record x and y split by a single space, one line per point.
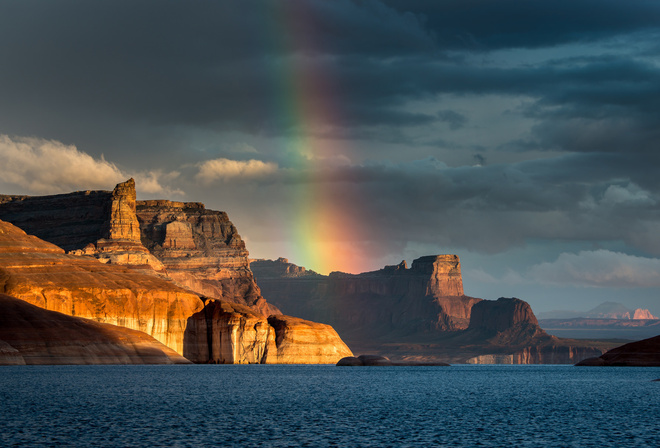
33 335
202 250
508 331
381 361
199 248
98 223
644 353
643 314
390 303
418 315
234 334
41 274
298 340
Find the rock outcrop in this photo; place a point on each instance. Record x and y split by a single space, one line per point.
41 273
198 248
643 314
419 315
644 353
202 250
389 304
33 335
227 333
102 224
298 340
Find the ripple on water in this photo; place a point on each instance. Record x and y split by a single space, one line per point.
324 406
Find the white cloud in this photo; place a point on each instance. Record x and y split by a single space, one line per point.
41 166
601 268
226 169
47 166
151 183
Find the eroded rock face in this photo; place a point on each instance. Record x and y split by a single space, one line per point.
123 223
298 339
411 316
102 224
393 302
227 333
199 248
41 273
32 335
202 250
640 314
500 315
234 334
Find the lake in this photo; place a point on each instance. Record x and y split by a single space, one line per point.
328 406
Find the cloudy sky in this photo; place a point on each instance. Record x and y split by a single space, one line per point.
346 135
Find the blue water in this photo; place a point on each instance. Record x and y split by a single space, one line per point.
321 406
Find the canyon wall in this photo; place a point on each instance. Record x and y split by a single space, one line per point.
418 314
227 333
32 335
198 248
201 250
141 265
41 273
393 302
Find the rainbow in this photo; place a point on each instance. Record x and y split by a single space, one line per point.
320 238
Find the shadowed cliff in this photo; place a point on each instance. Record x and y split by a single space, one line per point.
418 314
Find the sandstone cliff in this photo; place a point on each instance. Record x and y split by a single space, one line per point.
199 248
225 333
390 303
418 315
98 223
41 274
33 335
202 250
508 331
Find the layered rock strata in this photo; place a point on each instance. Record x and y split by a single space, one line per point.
102 224
33 335
202 250
41 273
224 333
198 248
419 315
507 330
392 302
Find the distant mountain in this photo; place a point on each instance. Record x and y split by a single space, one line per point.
606 310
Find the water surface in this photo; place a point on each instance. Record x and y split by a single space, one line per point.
321 406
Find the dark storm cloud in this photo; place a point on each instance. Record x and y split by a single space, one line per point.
483 25
224 65
111 74
491 208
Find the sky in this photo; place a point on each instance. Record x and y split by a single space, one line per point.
348 135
